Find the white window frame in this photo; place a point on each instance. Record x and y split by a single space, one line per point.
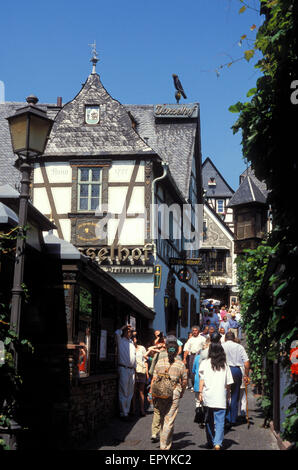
223 206
90 183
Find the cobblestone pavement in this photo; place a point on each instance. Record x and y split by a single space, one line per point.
135 435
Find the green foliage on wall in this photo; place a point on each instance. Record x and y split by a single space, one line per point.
268 123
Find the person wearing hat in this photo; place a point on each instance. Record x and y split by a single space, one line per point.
167 408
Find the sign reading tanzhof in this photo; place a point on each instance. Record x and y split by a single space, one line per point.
176 110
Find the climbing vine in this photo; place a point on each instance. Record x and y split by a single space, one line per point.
10 379
268 125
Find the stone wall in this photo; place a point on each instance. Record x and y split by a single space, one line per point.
92 402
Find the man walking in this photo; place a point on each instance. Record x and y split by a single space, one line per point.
234 325
236 358
126 369
193 346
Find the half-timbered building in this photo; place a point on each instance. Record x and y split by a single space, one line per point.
106 171
217 192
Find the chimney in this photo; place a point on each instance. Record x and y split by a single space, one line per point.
59 101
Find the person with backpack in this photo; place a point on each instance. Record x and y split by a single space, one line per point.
167 387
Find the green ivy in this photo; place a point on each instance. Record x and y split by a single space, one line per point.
10 380
268 124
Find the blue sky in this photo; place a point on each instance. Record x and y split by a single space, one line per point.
44 50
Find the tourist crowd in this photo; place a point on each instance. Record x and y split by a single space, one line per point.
212 363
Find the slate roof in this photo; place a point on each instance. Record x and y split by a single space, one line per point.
173 140
248 192
222 188
71 136
8 173
260 184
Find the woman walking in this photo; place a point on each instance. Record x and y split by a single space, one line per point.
141 376
215 380
167 408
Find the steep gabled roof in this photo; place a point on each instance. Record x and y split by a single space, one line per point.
260 184
173 140
248 192
114 134
222 188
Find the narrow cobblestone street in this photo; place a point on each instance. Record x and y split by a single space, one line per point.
188 436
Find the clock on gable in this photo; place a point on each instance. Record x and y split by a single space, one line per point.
86 232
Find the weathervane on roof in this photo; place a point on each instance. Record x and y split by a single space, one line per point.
94 58
179 88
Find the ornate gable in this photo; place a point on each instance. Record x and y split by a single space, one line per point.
93 123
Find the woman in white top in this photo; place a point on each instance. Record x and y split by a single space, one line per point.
141 375
215 379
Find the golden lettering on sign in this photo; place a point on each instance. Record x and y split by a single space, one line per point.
118 253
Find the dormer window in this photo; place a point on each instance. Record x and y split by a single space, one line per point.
212 181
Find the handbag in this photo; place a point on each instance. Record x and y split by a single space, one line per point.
200 415
141 368
163 386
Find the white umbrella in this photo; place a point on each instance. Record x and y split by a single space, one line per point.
213 301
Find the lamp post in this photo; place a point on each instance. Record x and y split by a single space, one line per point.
29 129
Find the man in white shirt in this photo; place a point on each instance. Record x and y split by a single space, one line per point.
193 346
126 369
236 358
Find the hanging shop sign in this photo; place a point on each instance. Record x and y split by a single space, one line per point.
157 276
176 111
111 255
185 262
184 275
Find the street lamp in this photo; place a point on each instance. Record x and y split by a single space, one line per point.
29 129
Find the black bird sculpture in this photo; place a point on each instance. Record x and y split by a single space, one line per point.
179 88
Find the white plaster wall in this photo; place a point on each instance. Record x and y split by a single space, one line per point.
62 200
59 172
66 229
140 285
41 201
122 171
116 199
132 233
137 202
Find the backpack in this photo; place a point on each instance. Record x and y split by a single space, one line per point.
163 386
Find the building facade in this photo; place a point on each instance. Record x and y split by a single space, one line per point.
217 275
114 179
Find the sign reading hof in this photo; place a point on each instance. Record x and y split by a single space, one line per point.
176 111
122 259
92 114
